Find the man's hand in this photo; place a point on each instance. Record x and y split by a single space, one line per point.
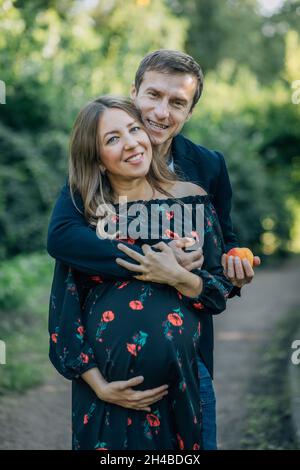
189 260
239 271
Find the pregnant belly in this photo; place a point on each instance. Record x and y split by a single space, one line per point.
131 334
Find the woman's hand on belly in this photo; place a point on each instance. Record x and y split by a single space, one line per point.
121 392
161 267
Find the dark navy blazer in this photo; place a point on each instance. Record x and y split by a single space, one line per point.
73 243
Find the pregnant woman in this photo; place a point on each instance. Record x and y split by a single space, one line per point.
148 326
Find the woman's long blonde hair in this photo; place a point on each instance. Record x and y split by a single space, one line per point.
85 158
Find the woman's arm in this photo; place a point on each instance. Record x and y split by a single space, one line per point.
74 243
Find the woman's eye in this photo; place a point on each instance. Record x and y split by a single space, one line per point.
135 128
112 140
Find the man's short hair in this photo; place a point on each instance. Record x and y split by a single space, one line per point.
168 61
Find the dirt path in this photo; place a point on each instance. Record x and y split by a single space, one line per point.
239 334
40 419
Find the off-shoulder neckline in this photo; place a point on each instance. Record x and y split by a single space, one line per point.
201 198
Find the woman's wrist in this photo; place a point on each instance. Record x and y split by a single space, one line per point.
187 283
95 380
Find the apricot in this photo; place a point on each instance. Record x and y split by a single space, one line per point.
242 253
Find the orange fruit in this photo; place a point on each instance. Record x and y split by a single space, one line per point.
242 253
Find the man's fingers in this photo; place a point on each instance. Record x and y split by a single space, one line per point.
146 249
256 261
230 268
192 256
238 267
185 242
196 265
131 253
248 270
224 261
161 246
131 267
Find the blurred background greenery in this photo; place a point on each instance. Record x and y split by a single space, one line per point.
55 55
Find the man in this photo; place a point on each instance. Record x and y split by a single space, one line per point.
168 85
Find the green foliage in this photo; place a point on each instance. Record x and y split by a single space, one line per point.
55 56
268 424
256 128
20 275
30 172
24 298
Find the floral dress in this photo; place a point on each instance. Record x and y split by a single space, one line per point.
129 328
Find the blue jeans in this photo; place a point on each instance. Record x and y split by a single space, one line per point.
208 402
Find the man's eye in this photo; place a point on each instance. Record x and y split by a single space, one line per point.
178 104
151 93
112 140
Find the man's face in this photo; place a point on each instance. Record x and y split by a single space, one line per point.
165 101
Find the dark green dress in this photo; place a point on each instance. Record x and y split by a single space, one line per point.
131 328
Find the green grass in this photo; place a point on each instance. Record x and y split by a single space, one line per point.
24 294
269 424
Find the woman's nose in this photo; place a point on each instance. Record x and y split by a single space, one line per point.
130 141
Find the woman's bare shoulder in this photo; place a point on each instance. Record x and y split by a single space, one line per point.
185 188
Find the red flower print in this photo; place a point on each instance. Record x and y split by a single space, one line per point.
169 215
124 284
114 218
198 305
129 421
85 419
54 337
108 316
153 420
101 448
136 305
128 240
80 330
196 447
97 279
84 358
180 442
131 241
195 420
171 234
175 319
132 349
179 295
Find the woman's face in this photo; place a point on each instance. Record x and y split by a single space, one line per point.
125 148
